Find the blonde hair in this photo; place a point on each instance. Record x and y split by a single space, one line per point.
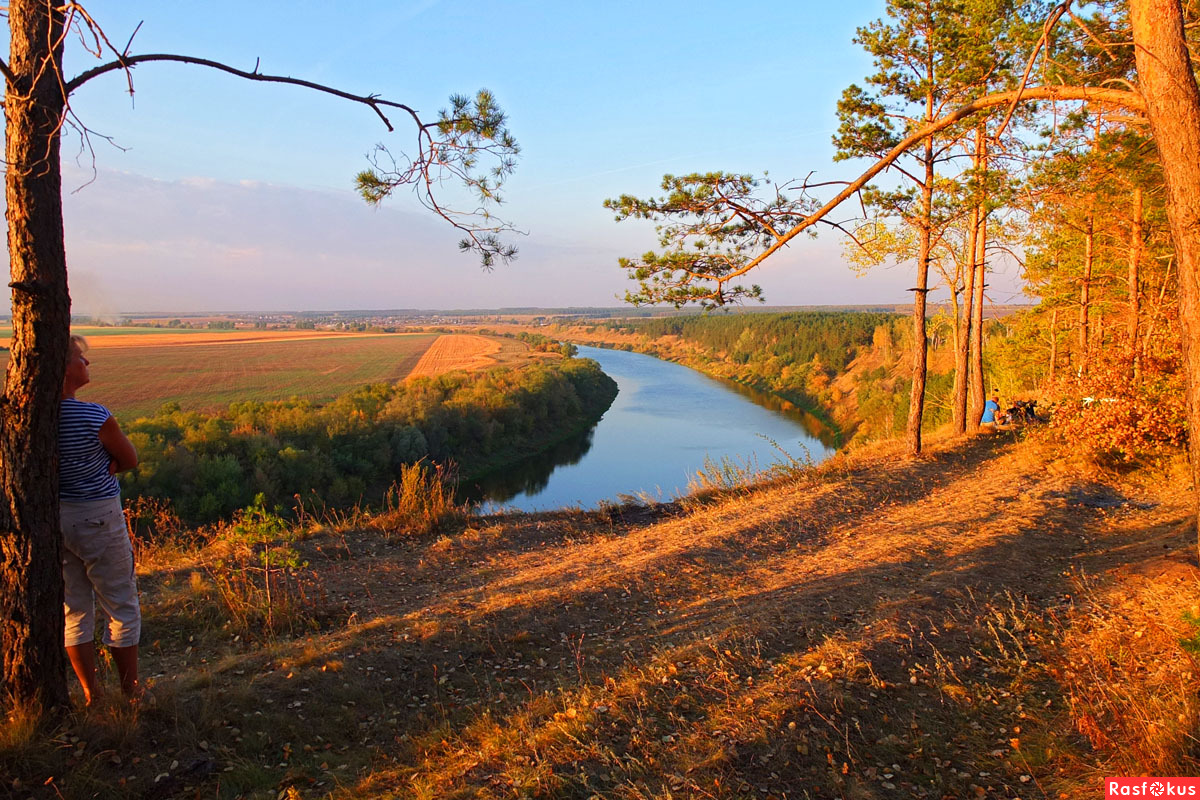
79 342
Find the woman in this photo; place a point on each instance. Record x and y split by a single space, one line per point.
97 552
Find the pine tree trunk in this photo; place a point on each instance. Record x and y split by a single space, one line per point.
1133 281
31 593
962 353
1085 292
1053 344
1173 106
916 406
966 364
976 388
962 360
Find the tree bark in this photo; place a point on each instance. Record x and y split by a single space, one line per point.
1053 345
962 360
916 405
31 593
1133 280
962 336
1085 291
1173 106
980 271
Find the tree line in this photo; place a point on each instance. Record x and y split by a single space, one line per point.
831 339
349 451
849 369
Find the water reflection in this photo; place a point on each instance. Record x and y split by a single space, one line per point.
814 426
529 476
667 422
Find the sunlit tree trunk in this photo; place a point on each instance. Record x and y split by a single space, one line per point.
916 408
31 593
977 389
1053 345
1133 280
962 331
1085 292
1173 106
963 361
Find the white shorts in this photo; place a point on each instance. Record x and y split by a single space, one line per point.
98 566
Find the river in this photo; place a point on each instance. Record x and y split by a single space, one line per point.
667 423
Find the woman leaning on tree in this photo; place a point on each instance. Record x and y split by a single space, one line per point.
97 551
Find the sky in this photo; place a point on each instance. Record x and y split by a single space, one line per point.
220 194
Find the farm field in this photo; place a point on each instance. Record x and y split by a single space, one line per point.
134 375
153 337
461 351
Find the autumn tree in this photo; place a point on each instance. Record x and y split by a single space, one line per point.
469 143
1096 222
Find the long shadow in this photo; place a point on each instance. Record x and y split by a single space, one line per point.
898 619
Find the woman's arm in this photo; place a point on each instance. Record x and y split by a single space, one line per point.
124 456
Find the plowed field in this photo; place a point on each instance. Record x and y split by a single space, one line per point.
134 375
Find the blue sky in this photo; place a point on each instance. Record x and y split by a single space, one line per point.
237 196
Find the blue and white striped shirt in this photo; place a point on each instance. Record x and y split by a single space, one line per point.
82 460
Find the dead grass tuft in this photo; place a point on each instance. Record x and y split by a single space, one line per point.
421 502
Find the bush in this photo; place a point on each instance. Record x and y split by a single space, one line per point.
1109 414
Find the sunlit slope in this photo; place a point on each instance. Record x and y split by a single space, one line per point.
875 627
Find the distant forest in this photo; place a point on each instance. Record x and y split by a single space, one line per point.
832 338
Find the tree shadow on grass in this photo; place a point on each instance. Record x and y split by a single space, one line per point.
715 664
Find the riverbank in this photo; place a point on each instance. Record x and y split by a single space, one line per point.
993 620
819 419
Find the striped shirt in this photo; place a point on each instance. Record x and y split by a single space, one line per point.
82 460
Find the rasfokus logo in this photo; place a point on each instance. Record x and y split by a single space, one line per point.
1152 787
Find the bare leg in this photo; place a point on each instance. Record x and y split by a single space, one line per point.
83 661
126 659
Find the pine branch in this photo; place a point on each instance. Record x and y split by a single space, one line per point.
128 62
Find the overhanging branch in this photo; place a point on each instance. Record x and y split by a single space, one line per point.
127 62
1116 97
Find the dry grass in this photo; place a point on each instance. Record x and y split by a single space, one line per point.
869 628
421 501
1128 664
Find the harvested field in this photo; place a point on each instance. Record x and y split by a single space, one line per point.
462 351
135 375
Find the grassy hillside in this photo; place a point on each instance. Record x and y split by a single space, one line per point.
988 621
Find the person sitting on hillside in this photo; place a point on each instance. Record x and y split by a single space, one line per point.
97 551
990 409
